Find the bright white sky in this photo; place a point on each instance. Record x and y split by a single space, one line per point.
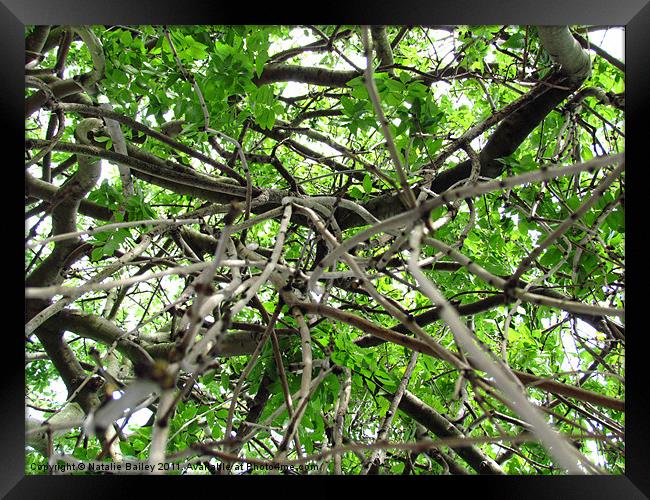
611 41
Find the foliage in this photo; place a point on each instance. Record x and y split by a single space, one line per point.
315 136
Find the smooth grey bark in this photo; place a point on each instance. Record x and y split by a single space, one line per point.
64 212
46 191
65 205
565 50
382 45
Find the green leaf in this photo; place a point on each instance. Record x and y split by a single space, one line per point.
516 41
367 183
394 86
208 377
496 266
97 253
358 88
189 412
127 449
616 220
119 77
417 90
551 257
523 227
435 146
264 95
355 192
126 38
260 60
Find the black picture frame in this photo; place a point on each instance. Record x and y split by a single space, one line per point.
633 14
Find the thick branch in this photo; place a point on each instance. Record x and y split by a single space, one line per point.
238 343
504 141
35 42
565 50
64 213
435 422
46 191
315 76
68 366
382 45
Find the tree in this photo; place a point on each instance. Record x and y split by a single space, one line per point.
353 250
